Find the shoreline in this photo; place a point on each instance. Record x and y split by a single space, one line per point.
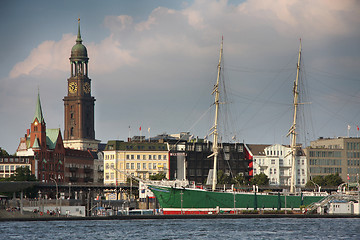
154 217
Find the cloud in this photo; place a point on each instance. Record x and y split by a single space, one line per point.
47 57
157 70
191 29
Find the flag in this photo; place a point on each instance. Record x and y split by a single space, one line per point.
349 127
148 129
357 127
140 128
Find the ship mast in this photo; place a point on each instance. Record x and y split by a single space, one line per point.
215 147
292 130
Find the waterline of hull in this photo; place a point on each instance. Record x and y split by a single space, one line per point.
197 201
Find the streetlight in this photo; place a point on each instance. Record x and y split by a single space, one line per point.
57 193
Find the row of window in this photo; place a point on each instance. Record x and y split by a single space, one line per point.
333 162
147 157
353 154
353 146
353 162
281 161
274 153
329 154
16 160
286 182
353 170
325 170
111 176
12 168
138 157
201 148
145 165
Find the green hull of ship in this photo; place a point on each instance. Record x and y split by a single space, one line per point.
199 199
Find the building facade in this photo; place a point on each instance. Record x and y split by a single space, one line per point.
190 160
79 132
79 166
335 155
43 148
140 159
276 162
9 164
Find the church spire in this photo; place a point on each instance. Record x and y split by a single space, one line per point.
38 111
78 39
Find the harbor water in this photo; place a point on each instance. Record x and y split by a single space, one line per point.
245 228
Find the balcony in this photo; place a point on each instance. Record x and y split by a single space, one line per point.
73 169
73 179
88 179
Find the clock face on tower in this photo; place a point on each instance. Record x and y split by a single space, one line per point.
87 87
73 87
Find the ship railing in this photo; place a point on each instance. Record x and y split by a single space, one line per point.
327 199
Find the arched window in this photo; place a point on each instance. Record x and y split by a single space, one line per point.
72 131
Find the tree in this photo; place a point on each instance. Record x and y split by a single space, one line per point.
22 174
241 180
328 180
260 179
3 153
158 176
317 180
223 178
333 180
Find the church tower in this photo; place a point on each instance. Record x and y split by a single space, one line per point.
79 132
38 128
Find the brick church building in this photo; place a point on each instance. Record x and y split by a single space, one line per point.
49 157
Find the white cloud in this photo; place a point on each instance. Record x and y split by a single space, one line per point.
156 70
168 31
48 56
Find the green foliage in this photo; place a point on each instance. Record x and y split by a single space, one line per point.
329 180
260 179
3 153
223 178
333 180
158 176
241 180
22 174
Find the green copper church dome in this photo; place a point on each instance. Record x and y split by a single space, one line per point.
79 50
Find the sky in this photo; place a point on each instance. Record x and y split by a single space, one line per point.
153 64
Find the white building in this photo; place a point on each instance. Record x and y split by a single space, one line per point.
276 162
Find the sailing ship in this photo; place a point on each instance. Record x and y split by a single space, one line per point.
186 200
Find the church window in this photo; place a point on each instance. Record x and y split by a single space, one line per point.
72 131
72 115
